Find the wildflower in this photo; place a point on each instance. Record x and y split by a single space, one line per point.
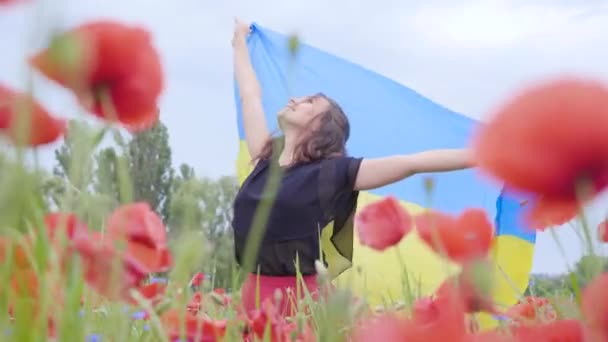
152 292
64 221
113 69
94 338
548 140
594 306
383 224
194 306
144 233
468 292
25 122
461 239
569 330
110 273
533 310
197 281
140 315
196 328
386 327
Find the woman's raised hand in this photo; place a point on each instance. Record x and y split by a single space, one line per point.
241 30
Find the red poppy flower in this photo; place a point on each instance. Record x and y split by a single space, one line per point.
194 306
491 336
563 330
548 139
196 328
291 332
105 58
25 283
462 239
53 222
64 221
602 231
25 122
433 321
594 306
532 310
261 318
19 257
107 271
475 297
387 327
383 224
544 213
144 233
152 293
197 279
220 297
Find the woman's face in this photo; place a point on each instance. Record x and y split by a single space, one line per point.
300 111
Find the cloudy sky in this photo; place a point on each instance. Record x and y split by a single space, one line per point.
466 55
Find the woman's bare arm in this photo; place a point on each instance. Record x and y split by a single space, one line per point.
377 172
250 92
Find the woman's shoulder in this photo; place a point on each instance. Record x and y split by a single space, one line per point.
344 162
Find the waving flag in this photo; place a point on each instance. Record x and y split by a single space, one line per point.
388 118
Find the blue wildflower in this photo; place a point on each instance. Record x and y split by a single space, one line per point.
155 280
139 315
93 338
500 317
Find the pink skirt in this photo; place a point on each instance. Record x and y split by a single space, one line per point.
269 286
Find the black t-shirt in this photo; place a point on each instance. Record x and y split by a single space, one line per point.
302 207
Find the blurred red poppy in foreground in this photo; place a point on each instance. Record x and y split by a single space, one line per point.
549 140
446 323
594 306
196 328
472 287
113 272
383 224
18 250
109 272
152 293
568 330
66 222
25 122
545 213
112 68
144 233
461 239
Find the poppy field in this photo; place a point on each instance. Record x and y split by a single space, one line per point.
120 279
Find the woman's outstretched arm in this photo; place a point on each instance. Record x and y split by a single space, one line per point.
250 92
377 172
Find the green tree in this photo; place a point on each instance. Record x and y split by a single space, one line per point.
204 205
74 164
150 168
106 173
80 184
588 267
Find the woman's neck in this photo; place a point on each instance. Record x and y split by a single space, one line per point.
287 155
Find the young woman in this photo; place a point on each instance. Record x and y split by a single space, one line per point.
314 134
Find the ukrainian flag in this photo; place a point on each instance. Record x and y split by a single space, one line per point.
388 118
